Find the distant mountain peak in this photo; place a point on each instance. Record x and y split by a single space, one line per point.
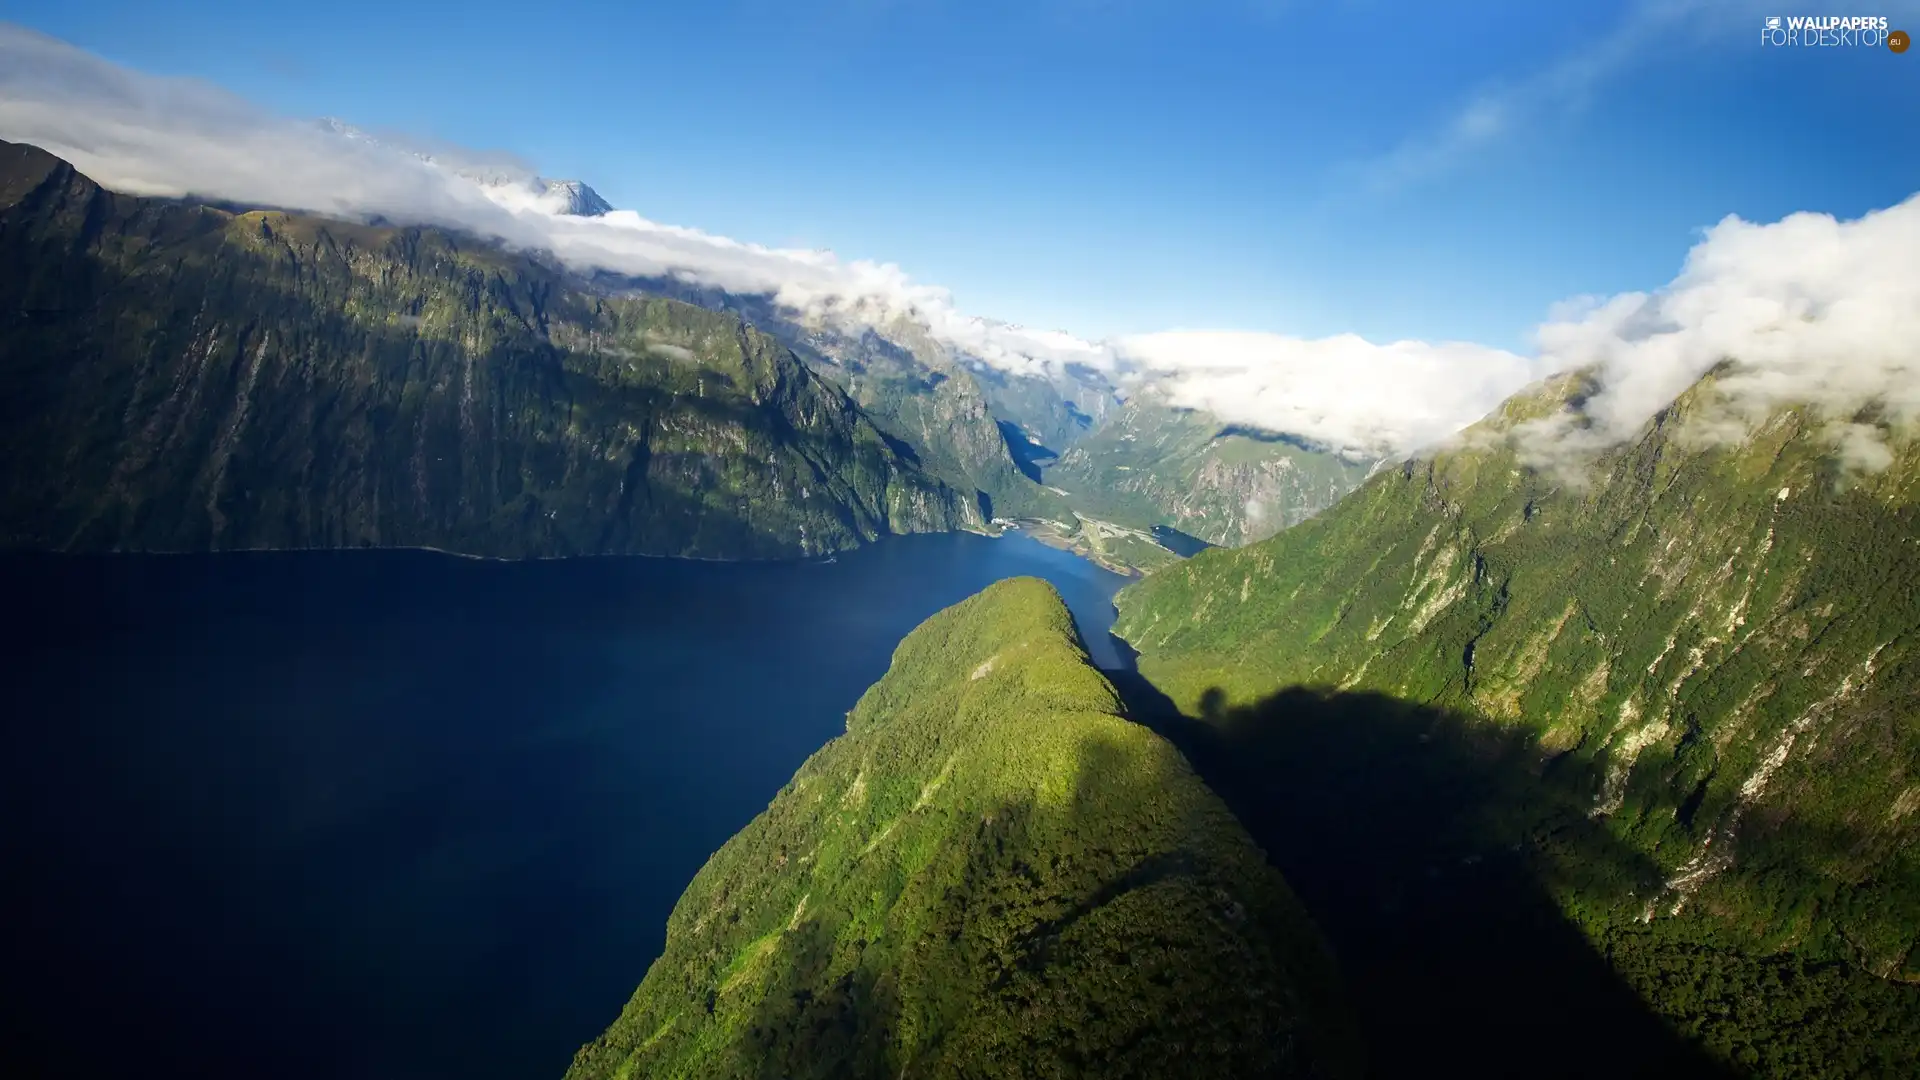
567 198
512 187
574 197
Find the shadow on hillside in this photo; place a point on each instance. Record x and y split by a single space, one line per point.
1426 845
1028 456
1185 545
1262 435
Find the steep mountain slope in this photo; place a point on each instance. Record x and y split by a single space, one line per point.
1707 651
178 377
912 387
990 874
1054 410
918 392
1152 464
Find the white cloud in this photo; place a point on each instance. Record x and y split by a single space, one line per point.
1812 307
157 136
1345 391
1560 86
1809 310
1649 32
163 136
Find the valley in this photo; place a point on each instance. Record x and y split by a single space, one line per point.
302 383
463 627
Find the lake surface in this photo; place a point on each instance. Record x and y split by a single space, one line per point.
398 815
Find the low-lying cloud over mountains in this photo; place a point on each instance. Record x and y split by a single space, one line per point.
1811 308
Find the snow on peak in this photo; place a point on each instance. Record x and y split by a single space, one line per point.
511 187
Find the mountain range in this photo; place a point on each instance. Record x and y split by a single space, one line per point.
1589 767
1590 757
490 359
993 429
181 377
1677 681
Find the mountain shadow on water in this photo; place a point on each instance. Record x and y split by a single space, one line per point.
1396 824
1182 544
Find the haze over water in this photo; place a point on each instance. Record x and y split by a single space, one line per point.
396 815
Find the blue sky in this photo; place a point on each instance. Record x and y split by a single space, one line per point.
1122 167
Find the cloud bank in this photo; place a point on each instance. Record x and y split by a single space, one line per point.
1808 310
1812 307
1415 393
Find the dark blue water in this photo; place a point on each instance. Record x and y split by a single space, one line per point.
395 815
1182 544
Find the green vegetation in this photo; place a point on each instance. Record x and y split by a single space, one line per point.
1630 746
919 395
177 377
945 414
1115 547
990 874
1150 464
1778 1014
936 407
1706 652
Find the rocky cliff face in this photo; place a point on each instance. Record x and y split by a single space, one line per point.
912 387
917 392
1152 464
1053 410
177 377
990 874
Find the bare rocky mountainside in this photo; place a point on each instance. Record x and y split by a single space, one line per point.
180 377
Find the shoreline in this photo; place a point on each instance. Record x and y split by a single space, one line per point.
429 549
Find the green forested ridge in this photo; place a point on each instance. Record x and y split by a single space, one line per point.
174 376
1707 652
990 874
1150 464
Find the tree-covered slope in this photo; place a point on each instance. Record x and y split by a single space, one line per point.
1150 464
990 874
1708 646
175 376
